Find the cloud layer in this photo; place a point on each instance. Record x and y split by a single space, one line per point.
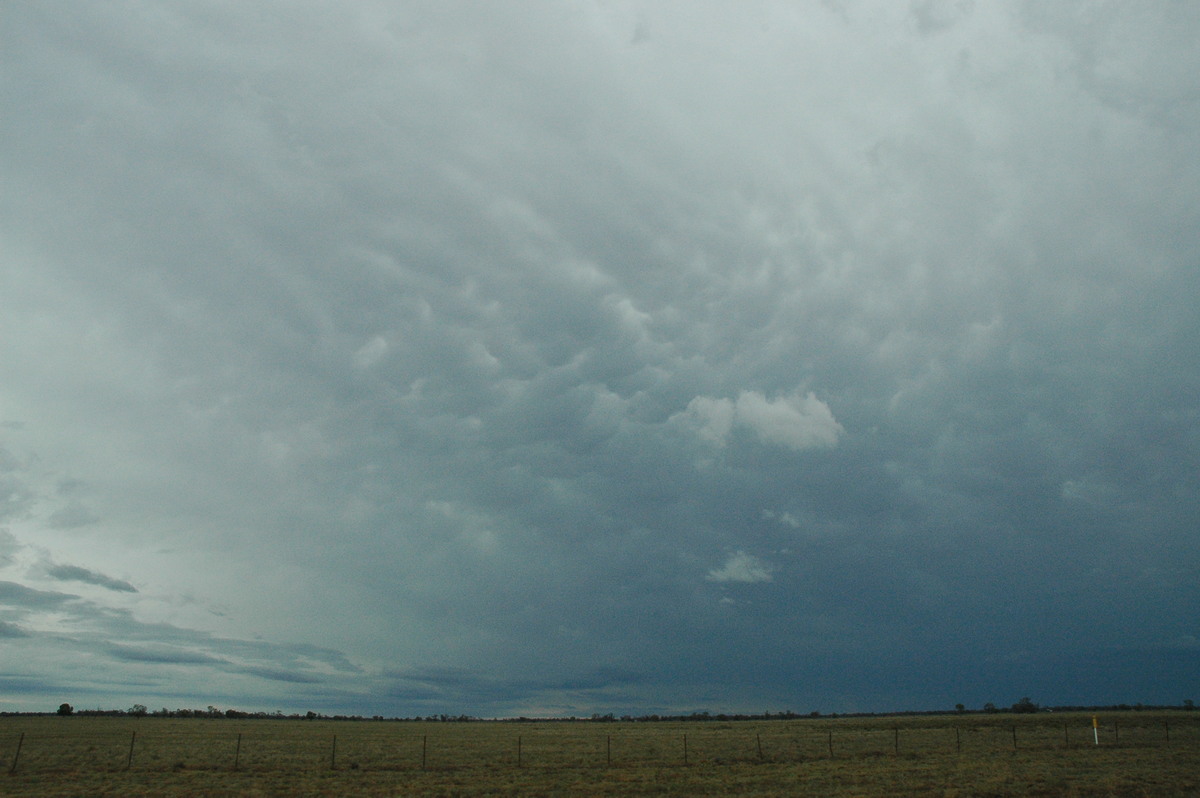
583 357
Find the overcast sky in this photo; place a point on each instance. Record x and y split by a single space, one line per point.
620 356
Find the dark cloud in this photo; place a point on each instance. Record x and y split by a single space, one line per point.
74 573
20 596
160 655
11 630
568 358
281 675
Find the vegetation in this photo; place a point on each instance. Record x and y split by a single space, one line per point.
1149 752
1023 706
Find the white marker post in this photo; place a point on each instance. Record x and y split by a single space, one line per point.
1096 728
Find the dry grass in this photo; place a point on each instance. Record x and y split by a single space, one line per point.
973 755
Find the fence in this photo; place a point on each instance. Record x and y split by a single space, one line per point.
49 745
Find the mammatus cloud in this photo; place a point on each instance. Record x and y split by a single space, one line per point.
793 421
742 567
480 347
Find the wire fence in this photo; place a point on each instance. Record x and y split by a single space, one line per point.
63 745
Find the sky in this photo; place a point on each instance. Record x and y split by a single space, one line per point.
557 358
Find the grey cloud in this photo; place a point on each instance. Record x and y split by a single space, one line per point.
8 461
278 675
8 546
16 497
187 655
936 16
72 516
487 342
603 677
74 573
11 630
477 693
160 655
18 595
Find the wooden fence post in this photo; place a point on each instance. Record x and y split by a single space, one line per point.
957 739
129 759
424 749
518 750
17 755
896 741
608 749
1014 736
758 738
831 744
333 755
237 752
685 751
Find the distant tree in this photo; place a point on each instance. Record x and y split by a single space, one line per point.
989 707
959 708
66 709
1189 704
137 710
1025 706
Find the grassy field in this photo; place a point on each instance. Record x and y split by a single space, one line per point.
1140 754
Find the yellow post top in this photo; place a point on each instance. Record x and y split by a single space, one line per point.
1095 721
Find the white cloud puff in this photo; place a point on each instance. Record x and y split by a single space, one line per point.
371 352
742 567
795 422
713 418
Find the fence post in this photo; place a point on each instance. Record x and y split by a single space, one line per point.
608 749
1167 731
518 750
957 740
333 755
896 741
237 752
129 759
17 755
758 738
685 758
831 744
424 749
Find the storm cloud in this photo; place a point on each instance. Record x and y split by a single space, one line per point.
560 358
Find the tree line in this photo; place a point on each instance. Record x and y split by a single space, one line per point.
1023 706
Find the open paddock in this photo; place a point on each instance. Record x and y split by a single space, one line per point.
1140 754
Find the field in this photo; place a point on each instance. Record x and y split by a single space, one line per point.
1140 754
